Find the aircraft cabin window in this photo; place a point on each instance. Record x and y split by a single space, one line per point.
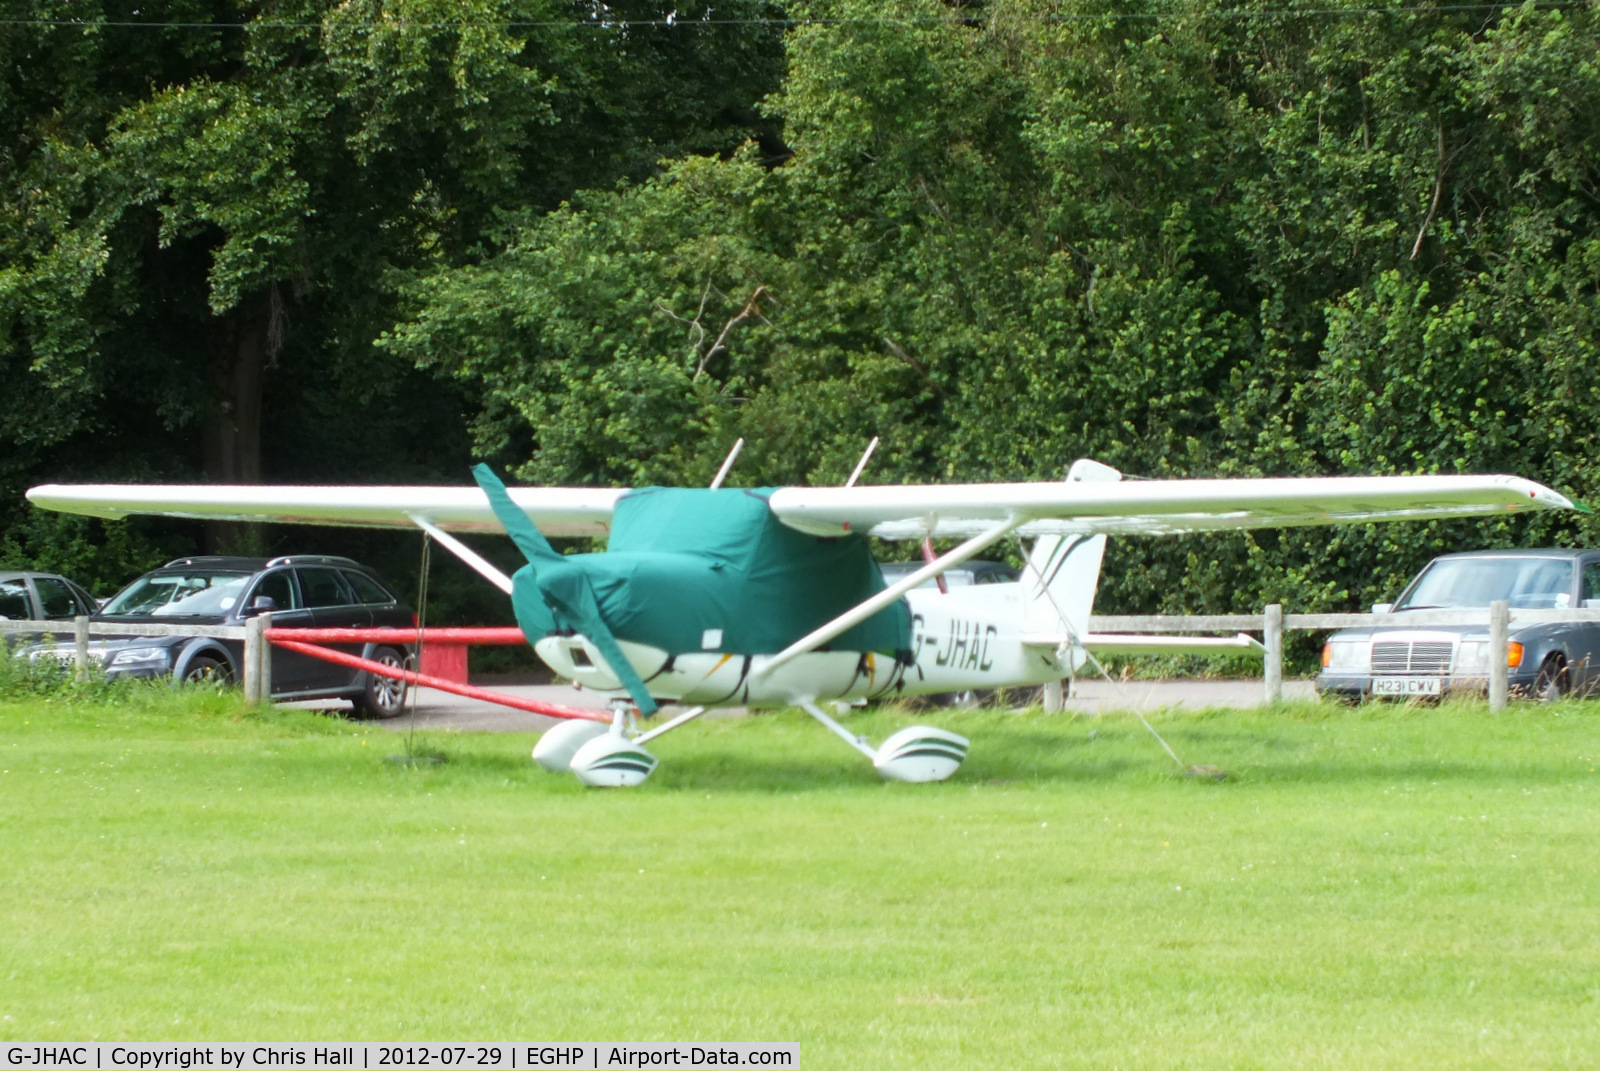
323 587
276 587
56 598
1591 584
367 590
14 601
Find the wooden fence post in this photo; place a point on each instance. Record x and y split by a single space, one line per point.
1272 640
1499 637
264 662
80 646
253 641
1055 699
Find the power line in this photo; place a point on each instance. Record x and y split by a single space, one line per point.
672 22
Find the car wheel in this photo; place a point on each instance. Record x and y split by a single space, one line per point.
383 697
205 669
1552 683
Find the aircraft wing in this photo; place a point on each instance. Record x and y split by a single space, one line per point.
1151 507
558 511
1128 507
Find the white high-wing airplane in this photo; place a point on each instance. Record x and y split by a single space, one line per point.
765 598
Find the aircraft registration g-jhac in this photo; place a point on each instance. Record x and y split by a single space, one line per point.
771 597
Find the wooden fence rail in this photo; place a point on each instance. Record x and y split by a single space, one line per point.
1499 618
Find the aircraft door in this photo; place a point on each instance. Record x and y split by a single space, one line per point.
291 671
333 605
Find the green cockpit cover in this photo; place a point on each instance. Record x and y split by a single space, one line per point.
684 562
697 570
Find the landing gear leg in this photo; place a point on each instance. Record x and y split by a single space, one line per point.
920 753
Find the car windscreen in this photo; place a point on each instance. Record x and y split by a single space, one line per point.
190 593
1529 583
953 578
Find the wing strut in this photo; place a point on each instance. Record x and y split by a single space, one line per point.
473 559
850 618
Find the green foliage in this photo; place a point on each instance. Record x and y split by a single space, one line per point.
204 208
53 679
1210 241
101 557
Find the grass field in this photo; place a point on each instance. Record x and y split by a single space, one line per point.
1373 887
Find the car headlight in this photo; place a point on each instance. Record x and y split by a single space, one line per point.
1473 656
1345 654
142 657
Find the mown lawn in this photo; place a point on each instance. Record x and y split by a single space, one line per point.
1373 887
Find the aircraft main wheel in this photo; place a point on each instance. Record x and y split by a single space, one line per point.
921 753
383 697
205 669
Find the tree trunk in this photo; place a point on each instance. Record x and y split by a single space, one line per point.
232 436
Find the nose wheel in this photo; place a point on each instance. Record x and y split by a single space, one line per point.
604 756
612 761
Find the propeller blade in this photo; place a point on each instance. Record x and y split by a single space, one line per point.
560 589
523 532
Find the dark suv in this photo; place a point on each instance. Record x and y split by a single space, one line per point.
303 591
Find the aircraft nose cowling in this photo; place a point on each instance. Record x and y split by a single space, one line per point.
565 588
552 591
527 602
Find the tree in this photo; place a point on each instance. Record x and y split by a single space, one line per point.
206 208
1193 241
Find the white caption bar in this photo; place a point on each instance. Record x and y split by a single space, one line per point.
383 1056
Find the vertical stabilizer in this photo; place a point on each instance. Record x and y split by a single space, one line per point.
1063 571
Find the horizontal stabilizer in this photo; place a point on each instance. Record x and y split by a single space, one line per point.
1109 643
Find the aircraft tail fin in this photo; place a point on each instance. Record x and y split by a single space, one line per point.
1064 571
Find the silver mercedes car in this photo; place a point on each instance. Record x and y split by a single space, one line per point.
1546 661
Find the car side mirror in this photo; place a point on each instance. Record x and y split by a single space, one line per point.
263 604
1383 607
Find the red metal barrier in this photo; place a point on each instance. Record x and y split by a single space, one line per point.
278 637
503 636
444 650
